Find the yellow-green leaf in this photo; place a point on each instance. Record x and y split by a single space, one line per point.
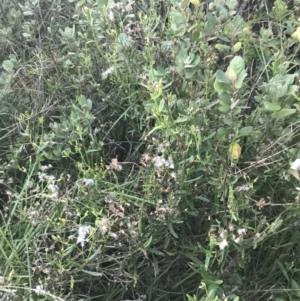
296 34
235 151
195 2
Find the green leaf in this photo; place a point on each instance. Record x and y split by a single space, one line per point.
148 242
283 113
222 78
238 65
283 270
189 74
196 60
245 131
272 106
80 3
171 229
222 131
231 74
161 105
8 65
222 87
155 251
98 274
203 199
224 108
237 46
184 3
233 105
222 47
195 36
238 24
101 2
85 103
295 286
239 82
181 119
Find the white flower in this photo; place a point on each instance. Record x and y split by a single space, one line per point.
222 233
257 235
170 163
83 232
53 188
223 244
88 182
242 231
96 131
40 290
103 225
162 162
296 165
237 240
111 15
108 71
159 161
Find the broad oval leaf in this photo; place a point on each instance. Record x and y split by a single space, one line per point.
235 151
272 106
245 131
283 113
237 46
222 78
224 108
8 65
237 64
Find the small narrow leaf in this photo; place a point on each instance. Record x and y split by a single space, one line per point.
172 230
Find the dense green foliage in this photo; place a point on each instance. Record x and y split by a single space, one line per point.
146 148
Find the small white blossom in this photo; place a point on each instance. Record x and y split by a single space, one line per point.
88 182
171 163
242 231
96 131
114 235
29 184
46 167
223 244
237 240
54 190
111 15
162 162
223 234
103 225
83 232
40 290
108 71
117 5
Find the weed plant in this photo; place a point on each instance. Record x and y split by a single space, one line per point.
146 148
